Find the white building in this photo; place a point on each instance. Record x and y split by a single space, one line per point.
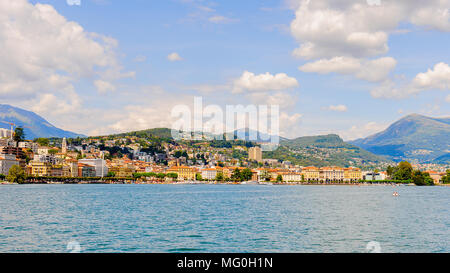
6 162
47 158
209 173
6 133
98 163
29 145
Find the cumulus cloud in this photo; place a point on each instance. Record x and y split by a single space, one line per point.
43 55
174 57
370 70
327 28
263 82
344 36
437 78
338 108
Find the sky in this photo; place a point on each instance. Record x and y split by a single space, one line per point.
350 67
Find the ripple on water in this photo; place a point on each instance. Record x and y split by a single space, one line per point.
223 218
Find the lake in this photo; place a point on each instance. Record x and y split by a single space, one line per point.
223 218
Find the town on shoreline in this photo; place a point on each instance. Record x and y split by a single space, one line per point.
127 160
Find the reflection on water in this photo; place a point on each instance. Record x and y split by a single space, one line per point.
228 218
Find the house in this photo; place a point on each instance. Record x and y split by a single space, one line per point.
352 174
40 168
6 162
311 173
184 172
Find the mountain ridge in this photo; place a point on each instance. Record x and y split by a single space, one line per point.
34 125
413 137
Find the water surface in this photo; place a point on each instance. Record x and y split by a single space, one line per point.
223 218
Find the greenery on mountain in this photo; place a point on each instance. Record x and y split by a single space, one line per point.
322 151
34 126
414 137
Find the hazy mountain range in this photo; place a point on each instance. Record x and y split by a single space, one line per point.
34 125
414 137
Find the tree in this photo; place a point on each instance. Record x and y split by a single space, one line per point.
236 176
19 134
219 177
422 178
111 174
246 174
446 178
42 141
403 171
198 177
16 175
279 178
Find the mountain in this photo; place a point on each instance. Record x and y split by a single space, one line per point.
414 137
323 150
34 125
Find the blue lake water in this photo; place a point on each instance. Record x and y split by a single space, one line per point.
223 218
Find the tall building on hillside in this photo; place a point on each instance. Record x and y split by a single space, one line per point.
64 146
255 153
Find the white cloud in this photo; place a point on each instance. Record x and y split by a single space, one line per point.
344 36
43 55
437 78
104 86
290 125
373 70
283 99
263 82
219 19
327 28
338 108
174 57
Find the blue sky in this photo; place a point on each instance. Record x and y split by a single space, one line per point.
217 42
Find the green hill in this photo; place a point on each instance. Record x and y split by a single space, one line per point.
323 150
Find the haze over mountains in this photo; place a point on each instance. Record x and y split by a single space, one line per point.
34 125
414 137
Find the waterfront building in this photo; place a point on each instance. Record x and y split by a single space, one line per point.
210 173
39 168
352 174
311 173
291 176
6 162
99 164
85 170
255 153
331 174
184 172
373 176
122 171
437 177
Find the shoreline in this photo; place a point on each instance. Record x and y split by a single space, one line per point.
214 183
